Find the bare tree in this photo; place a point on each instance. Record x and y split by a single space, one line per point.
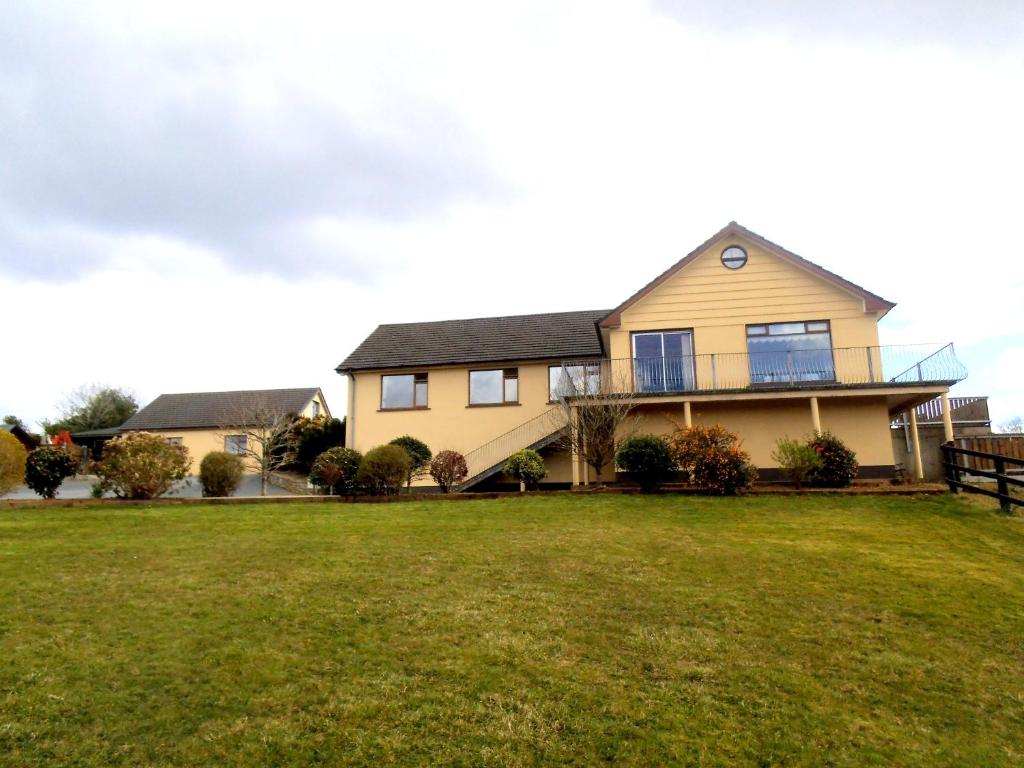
596 409
260 432
1013 426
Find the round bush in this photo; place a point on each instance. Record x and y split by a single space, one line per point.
47 467
419 457
12 462
383 469
527 467
336 469
838 463
220 473
140 465
646 460
448 470
712 458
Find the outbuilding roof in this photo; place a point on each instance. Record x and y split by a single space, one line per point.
554 335
195 410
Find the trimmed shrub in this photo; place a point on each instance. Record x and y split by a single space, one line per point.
448 470
796 459
311 437
838 463
220 473
527 467
140 465
12 462
419 458
336 469
646 460
712 459
47 467
383 469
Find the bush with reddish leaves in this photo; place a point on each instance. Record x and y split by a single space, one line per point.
712 459
448 469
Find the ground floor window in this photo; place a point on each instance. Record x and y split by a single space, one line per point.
789 352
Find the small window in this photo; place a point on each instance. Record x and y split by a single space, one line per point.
734 257
497 387
235 444
403 391
316 409
174 440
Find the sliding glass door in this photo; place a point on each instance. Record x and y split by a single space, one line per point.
663 361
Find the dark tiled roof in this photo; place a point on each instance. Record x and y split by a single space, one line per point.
558 335
192 410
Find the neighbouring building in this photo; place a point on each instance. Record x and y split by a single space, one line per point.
741 332
214 421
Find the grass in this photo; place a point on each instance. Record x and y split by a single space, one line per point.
542 630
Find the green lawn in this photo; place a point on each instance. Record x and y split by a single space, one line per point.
549 630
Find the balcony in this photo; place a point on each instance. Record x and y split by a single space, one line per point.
883 366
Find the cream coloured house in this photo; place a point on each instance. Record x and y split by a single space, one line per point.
741 332
201 420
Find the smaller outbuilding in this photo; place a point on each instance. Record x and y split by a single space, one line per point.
216 421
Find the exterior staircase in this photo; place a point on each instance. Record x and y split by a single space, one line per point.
490 458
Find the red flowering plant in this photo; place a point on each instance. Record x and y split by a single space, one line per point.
713 459
838 463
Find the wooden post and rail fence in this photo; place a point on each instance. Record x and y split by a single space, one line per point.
962 464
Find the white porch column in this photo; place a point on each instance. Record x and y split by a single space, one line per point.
350 417
915 442
574 457
947 418
815 416
687 416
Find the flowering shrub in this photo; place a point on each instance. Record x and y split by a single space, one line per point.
712 459
838 463
448 469
527 467
646 460
796 459
220 473
383 469
12 462
47 467
140 465
336 469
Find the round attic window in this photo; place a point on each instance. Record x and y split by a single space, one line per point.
734 257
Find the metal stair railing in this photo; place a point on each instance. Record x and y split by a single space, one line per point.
489 458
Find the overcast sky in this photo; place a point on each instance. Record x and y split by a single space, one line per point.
214 196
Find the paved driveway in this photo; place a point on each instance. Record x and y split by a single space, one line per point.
81 488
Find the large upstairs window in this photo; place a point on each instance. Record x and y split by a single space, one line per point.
663 361
790 352
403 391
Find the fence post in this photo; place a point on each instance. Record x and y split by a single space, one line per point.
1003 486
949 458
